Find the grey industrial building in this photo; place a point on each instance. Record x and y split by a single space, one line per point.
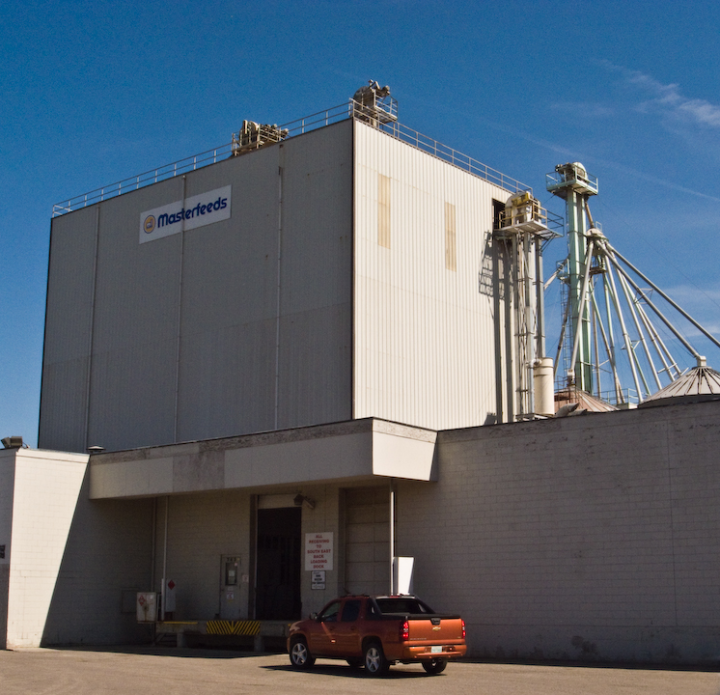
296 362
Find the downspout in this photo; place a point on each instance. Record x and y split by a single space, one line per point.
392 537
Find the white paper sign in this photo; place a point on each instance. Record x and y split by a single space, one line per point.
319 551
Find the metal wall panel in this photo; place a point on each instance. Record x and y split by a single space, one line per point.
229 306
182 340
68 321
135 335
424 335
227 381
63 405
69 310
133 396
315 373
315 354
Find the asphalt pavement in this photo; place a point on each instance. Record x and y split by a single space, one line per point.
149 671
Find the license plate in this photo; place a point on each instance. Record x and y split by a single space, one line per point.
436 650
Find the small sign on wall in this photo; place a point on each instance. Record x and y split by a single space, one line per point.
319 551
318 579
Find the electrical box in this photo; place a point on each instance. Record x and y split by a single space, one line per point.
230 580
169 597
146 607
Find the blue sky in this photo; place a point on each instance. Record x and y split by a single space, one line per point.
96 92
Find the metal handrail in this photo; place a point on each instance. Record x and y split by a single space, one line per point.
452 156
297 127
556 179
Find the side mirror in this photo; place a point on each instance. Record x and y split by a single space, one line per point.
313 616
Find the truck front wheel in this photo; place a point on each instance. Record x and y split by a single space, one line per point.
300 655
434 666
375 662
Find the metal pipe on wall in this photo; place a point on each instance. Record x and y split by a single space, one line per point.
163 589
392 537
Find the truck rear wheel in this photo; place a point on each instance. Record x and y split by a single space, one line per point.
375 662
434 666
300 655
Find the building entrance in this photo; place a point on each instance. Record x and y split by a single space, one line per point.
278 564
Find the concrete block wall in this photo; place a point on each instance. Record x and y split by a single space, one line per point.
201 529
592 538
324 518
367 540
67 560
45 488
107 560
7 490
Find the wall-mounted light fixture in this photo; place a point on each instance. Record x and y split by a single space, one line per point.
12 442
301 500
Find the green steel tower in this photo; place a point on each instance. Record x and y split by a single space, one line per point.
572 183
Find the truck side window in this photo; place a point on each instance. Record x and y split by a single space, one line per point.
351 611
330 614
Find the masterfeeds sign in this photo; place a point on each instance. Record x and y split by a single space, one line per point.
180 216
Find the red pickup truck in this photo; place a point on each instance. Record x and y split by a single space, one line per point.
376 632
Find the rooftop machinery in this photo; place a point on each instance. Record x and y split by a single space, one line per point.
597 306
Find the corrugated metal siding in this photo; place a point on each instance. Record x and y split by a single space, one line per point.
384 211
450 236
424 340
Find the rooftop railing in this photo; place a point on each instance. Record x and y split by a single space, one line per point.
302 125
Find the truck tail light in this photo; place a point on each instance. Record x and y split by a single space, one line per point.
463 627
405 631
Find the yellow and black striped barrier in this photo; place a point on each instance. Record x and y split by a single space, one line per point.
233 627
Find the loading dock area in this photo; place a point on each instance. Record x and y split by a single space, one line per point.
256 633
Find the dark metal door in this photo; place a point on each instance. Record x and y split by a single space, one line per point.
278 564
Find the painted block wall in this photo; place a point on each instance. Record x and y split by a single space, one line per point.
590 538
107 560
7 489
68 561
204 527
201 528
44 496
